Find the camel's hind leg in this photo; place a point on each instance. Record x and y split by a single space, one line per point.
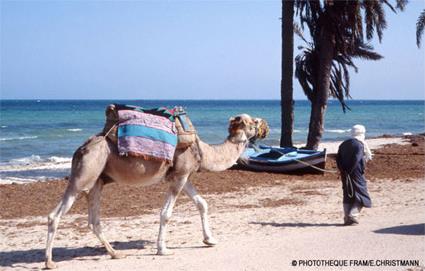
202 206
53 222
94 221
88 163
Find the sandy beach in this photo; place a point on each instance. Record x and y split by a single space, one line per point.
263 221
100 97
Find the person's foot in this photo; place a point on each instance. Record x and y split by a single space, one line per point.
351 221
346 220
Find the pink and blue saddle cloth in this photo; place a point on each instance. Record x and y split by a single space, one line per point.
147 133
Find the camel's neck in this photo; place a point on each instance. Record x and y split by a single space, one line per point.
220 157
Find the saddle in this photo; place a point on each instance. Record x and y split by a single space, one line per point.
183 127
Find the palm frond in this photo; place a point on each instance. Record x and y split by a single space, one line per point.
368 19
339 86
349 24
347 80
358 21
391 6
380 21
365 51
420 24
401 4
299 32
305 71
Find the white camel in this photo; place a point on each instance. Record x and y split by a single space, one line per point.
97 162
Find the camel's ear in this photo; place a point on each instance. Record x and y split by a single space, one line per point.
233 124
234 120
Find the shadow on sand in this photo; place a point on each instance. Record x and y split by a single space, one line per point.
13 258
414 229
295 225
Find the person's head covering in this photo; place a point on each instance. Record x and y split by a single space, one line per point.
358 132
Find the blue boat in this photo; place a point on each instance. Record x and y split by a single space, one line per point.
282 160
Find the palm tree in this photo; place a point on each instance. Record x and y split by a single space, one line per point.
420 24
286 88
337 30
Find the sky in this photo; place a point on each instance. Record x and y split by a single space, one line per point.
178 50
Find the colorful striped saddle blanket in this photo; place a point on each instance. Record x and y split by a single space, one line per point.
148 133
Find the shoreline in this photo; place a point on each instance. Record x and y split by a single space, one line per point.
394 161
59 165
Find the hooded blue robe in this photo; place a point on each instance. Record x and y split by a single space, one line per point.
350 162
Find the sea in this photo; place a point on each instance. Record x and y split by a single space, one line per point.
38 137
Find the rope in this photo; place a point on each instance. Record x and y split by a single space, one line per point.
110 130
200 154
317 168
308 164
97 140
349 181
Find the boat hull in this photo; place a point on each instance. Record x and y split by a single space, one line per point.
312 163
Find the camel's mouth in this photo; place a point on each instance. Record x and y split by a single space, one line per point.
262 129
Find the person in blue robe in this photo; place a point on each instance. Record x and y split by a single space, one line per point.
351 159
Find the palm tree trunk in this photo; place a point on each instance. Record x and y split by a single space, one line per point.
320 99
286 88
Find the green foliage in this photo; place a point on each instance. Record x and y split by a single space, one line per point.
306 70
351 24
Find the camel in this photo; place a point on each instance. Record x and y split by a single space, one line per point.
97 163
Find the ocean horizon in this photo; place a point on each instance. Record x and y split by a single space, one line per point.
39 136
206 100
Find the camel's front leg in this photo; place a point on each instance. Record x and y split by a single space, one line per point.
202 206
166 212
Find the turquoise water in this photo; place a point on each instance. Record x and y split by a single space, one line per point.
37 138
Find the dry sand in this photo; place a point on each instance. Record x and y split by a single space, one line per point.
265 224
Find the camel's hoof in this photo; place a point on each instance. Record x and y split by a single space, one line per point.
164 252
118 255
210 242
51 265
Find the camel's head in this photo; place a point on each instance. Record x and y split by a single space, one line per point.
243 128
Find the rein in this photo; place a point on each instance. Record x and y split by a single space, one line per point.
316 168
110 130
199 152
